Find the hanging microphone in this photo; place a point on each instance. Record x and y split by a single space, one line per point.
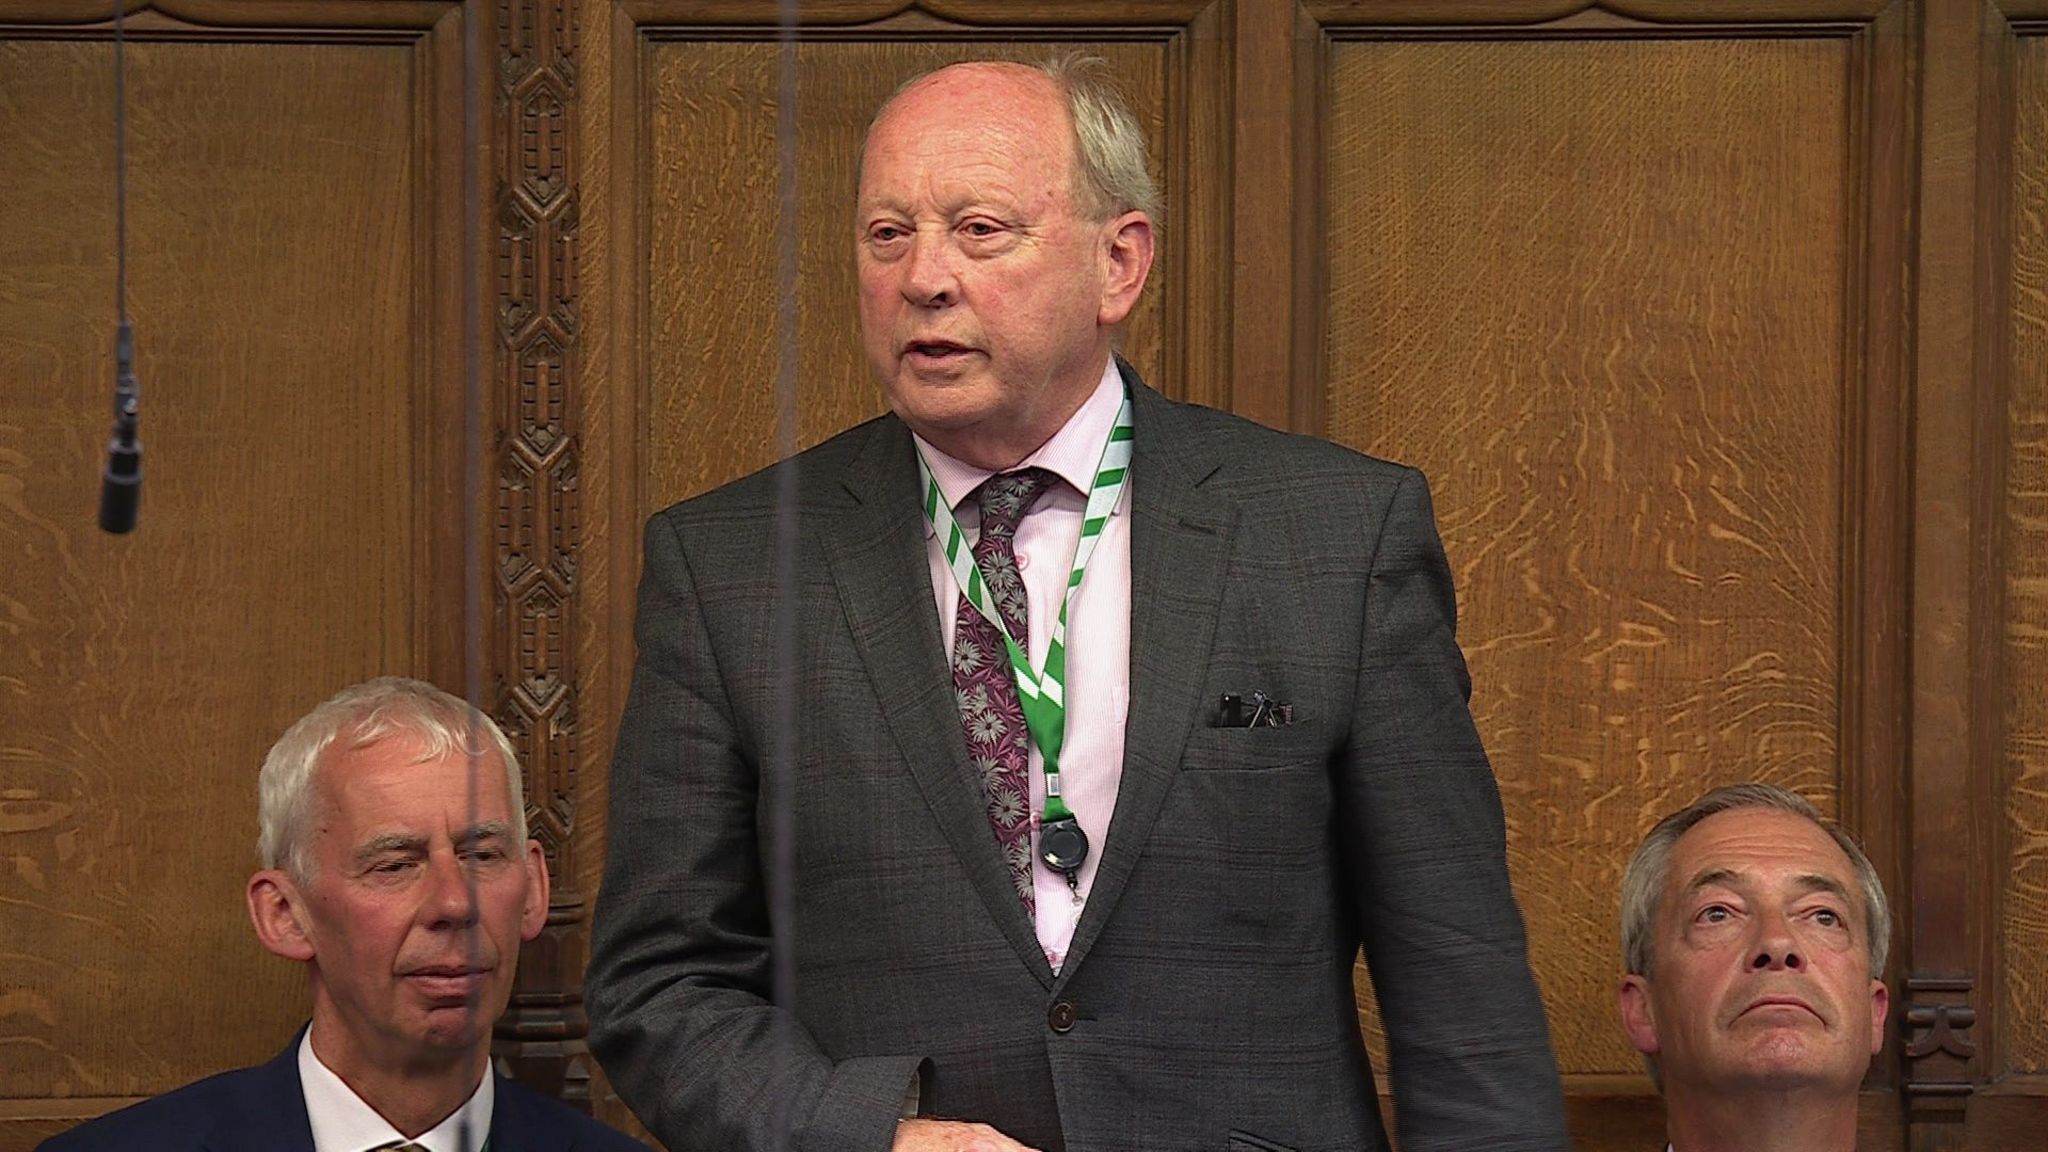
121 483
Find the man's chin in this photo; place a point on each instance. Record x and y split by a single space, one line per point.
452 1032
1791 1060
940 406
458 1025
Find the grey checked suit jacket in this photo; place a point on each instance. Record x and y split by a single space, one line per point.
1209 979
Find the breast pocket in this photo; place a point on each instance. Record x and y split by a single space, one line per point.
1246 1142
1239 749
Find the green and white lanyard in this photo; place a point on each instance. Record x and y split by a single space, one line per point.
1043 695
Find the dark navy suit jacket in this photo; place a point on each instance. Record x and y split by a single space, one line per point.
263 1109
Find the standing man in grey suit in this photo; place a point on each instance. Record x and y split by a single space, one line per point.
1120 726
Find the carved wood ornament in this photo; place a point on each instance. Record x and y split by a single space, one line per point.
541 1038
1936 1021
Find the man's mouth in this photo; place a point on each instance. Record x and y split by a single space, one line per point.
935 351
447 981
1779 1006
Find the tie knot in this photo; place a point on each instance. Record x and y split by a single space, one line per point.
1006 496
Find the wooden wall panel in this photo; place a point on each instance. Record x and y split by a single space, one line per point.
2024 1026
1595 290
289 275
713 228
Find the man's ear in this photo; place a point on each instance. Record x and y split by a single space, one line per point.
534 916
1638 1017
1880 1005
1126 262
277 909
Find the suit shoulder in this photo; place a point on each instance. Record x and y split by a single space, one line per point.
817 470
549 1123
1269 453
176 1120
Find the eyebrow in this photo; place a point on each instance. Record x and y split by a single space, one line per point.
1806 883
399 843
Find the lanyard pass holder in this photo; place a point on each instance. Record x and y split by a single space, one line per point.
1061 843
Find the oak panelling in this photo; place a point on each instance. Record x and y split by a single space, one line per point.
293 243
2006 1115
607 413
1951 996
2024 1024
1595 289
1270 128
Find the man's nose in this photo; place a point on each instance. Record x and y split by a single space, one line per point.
1775 947
928 281
451 897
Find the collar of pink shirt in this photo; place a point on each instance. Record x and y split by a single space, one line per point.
1071 454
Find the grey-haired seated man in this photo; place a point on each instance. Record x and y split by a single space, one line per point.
1755 934
405 893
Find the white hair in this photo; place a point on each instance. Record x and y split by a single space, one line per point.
355 717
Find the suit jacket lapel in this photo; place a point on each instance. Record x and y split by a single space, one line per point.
1180 539
876 550
510 1126
269 1114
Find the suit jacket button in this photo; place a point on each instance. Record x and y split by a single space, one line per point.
1061 1017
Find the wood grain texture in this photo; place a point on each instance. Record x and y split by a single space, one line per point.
1595 291
278 290
711 291
2024 1040
1263 220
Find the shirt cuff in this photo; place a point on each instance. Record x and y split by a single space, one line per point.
913 1100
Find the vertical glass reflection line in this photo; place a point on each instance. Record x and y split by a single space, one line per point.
472 471
780 859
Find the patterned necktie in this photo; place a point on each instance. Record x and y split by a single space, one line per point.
997 741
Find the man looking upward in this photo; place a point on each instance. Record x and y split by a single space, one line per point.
1755 938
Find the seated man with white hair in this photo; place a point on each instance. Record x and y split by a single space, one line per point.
405 891
1755 936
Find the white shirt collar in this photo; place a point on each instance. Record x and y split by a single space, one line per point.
1071 454
342 1122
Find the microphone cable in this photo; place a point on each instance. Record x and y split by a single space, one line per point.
121 481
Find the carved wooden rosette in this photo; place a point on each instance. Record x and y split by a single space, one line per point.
541 1038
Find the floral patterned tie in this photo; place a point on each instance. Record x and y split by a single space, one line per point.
997 741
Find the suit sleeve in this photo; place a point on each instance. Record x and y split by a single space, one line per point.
1426 841
679 982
